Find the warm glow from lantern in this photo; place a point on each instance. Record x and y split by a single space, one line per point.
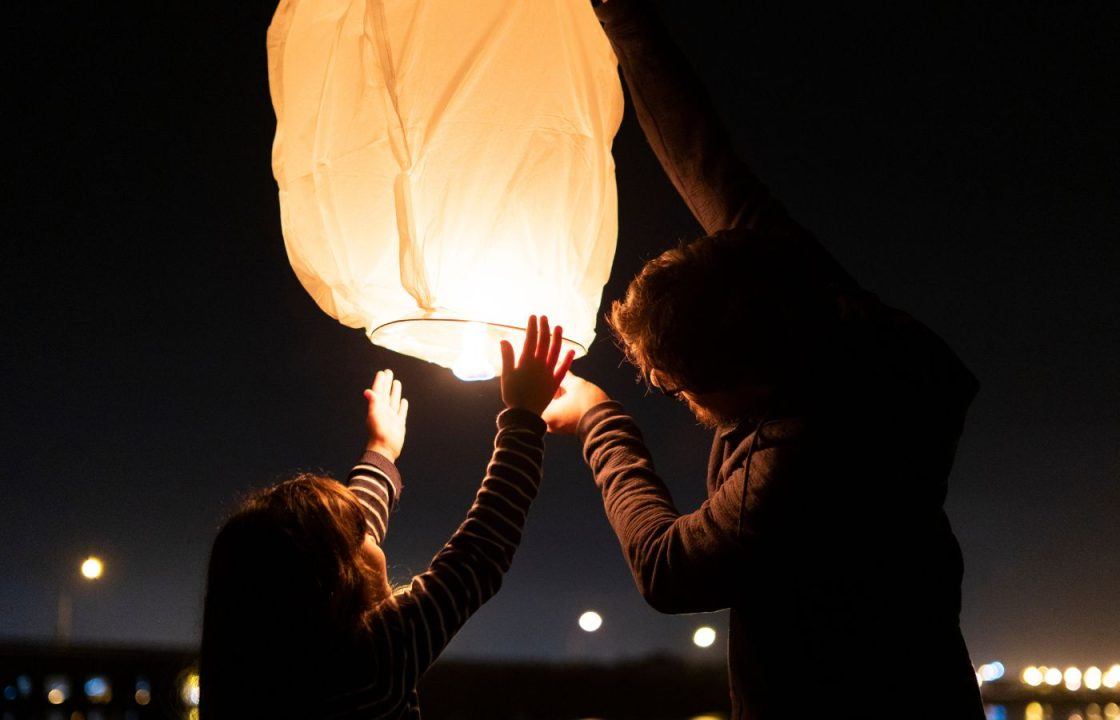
473 362
450 166
92 568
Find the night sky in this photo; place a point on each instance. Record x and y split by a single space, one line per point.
160 358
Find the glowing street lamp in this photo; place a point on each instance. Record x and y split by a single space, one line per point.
590 621
91 569
1073 679
1032 676
703 637
445 173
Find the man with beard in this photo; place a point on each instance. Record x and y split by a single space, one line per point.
836 422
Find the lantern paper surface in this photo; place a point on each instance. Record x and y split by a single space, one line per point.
444 166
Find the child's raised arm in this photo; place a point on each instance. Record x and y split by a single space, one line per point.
375 481
469 569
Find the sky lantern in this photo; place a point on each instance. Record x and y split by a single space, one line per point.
445 168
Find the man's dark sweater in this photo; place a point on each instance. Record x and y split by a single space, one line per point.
823 530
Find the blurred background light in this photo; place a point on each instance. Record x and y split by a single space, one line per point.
143 694
590 621
703 637
98 690
1073 679
92 567
1053 676
1092 678
190 689
1032 676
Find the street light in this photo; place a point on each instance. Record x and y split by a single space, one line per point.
92 568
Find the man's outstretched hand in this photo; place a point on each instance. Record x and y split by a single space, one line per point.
386 415
575 397
533 381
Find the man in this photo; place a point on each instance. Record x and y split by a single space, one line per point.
836 423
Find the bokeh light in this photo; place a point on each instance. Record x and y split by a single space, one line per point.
190 691
98 689
1032 676
1073 679
1111 677
1092 678
992 671
143 694
704 637
1052 676
590 621
1033 712
92 567
58 689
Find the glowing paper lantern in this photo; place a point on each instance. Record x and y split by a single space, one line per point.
445 168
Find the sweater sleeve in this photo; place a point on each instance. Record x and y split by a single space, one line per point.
681 563
685 132
376 482
469 569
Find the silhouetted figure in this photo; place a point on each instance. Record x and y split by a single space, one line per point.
836 420
300 620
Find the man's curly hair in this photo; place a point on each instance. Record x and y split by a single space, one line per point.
721 311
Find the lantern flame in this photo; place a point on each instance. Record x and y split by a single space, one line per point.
473 362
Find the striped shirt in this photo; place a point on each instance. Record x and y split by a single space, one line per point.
409 632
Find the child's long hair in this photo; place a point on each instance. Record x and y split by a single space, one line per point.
289 590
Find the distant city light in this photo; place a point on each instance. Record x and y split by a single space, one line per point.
143 694
1072 678
992 671
98 690
92 568
703 637
1111 677
58 689
590 621
1032 676
190 689
1092 678
1052 676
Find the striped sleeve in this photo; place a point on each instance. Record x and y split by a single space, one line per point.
468 570
376 484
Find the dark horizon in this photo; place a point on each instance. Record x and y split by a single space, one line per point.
161 358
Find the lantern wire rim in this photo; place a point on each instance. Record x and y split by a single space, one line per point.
582 349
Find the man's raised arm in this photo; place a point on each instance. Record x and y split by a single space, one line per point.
685 132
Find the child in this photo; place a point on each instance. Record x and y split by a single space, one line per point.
300 620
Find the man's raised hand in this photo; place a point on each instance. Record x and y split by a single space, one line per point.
575 398
386 415
531 383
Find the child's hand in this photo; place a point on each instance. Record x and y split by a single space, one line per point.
385 420
533 382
